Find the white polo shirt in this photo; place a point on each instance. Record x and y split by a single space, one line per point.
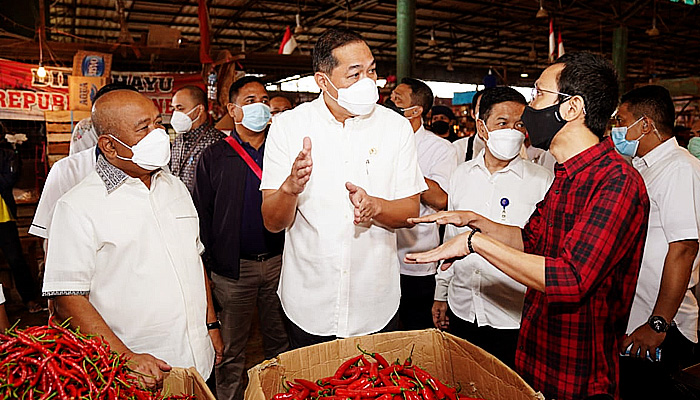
437 160
672 178
338 278
83 137
136 252
63 176
473 287
2 295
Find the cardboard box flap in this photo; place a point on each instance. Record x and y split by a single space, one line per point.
186 381
449 358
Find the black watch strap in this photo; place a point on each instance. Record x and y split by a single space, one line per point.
214 325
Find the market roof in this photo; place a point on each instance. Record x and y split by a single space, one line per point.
469 36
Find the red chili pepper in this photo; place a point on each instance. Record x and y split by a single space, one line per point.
381 360
341 370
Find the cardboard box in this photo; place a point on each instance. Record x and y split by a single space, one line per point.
161 36
91 63
186 381
452 360
82 90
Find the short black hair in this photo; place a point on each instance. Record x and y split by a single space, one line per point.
198 95
593 78
496 95
656 103
110 87
238 85
323 59
443 110
421 95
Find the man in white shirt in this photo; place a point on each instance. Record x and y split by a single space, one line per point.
66 173
124 255
485 305
664 312
468 147
436 159
341 203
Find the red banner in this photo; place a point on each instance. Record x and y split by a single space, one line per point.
23 95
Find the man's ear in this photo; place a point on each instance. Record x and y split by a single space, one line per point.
481 130
573 109
322 81
231 108
107 147
417 112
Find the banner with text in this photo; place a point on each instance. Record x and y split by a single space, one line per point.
25 96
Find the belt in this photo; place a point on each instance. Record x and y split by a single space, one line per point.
260 257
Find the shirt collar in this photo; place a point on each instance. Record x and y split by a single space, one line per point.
658 153
579 162
198 130
112 176
515 165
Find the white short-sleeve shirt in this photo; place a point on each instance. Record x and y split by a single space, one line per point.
136 252
338 278
63 176
2 295
472 286
83 137
437 160
672 178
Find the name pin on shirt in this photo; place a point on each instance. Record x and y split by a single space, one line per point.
504 203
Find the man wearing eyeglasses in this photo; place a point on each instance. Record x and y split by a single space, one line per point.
580 252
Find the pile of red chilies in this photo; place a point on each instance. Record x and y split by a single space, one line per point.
55 362
359 379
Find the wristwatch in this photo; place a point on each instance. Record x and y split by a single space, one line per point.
214 325
658 324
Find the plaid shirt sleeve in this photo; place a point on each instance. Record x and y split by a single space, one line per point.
533 230
599 239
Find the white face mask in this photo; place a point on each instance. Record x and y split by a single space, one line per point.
151 152
504 144
181 121
359 99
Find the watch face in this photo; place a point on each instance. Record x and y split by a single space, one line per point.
658 324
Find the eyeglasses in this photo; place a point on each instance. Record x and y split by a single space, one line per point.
537 92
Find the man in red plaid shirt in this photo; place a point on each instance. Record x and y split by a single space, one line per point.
580 253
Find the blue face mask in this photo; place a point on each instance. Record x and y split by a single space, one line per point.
619 137
255 116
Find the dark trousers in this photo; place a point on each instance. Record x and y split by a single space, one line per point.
415 310
256 286
301 338
644 379
501 343
12 250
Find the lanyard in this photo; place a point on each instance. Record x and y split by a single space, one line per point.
245 156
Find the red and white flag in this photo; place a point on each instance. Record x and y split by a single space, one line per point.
560 46
552 45
288 42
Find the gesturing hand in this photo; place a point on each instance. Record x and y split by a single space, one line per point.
150 369
449 251
301 169
366 206
456 218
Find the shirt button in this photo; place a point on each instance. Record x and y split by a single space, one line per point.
556 191
477 272
549 223
476 294
520 347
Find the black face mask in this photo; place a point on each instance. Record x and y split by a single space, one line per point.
542 125
392 106
440 127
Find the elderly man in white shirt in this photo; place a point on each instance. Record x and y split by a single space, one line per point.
437 160
66 173
485 305
124 254
664 312
341 202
